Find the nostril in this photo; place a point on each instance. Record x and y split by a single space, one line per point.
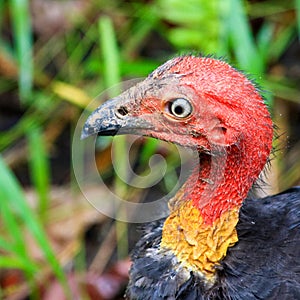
224 130
122 111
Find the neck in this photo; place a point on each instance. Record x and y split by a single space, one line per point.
219 184
204 213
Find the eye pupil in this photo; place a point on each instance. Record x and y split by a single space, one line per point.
178 110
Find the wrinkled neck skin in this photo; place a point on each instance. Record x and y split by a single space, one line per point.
220 183
204 213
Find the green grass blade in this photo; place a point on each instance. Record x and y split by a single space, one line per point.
242 39
11 225
39 168
8 217
264 39
297 6
23 43
17 263
110 53
1 15
111 74
8 247
147 20
11 191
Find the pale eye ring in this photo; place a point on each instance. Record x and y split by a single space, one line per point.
180 108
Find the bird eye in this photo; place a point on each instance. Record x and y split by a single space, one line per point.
180 108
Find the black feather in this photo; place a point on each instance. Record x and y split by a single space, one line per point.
264 264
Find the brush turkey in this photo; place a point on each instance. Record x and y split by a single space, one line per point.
216 242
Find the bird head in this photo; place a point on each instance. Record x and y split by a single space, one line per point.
192 101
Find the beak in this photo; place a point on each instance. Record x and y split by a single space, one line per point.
115 117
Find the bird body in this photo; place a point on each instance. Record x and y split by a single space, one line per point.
263 264
216 243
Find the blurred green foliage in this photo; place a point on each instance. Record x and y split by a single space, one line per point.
55 66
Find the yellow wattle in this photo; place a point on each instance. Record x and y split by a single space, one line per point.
199 246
